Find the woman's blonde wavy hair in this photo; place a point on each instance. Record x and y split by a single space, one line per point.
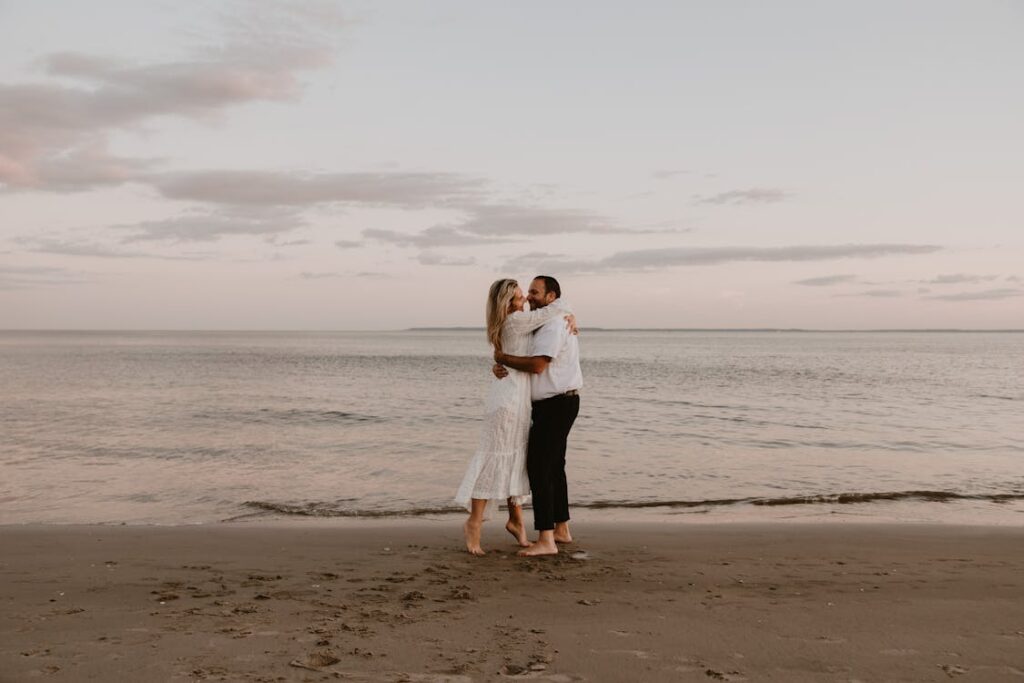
498 300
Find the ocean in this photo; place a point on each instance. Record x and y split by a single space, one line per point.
201 427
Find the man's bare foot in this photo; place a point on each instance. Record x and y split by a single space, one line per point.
518 532
539 548
472 531
562 534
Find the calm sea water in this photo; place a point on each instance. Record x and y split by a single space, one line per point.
199 427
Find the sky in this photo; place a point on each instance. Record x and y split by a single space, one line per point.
376 165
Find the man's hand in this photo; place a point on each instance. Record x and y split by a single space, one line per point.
498 357
570 322
500 371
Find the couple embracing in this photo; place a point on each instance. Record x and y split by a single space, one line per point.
530 409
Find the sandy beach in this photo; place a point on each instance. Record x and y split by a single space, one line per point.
399 601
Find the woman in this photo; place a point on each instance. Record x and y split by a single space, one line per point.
498 468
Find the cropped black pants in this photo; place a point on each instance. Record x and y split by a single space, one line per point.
545 459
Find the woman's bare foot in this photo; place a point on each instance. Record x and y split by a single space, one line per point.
472 531
518 532
515 524
562 534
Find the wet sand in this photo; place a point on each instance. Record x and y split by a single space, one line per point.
400 601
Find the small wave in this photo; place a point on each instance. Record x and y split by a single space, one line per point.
271 416
608 504
928 496
332 415
339 509
755 423
825 498
333 510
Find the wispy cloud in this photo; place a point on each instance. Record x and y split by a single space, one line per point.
984 295
696 256
278 188
210 227
289 243
67 247
537 261
664 174
319 276
754 195
54 134
86 167
347 244
498 220
31 277
959 278
432 259
826 280
437 236
875 294
655 259
332 275
502 223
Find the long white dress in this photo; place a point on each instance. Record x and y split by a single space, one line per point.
497 470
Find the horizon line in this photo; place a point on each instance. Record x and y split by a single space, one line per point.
459 328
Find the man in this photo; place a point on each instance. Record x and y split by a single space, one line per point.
554 362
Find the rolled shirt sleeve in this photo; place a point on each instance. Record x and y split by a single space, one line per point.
549 340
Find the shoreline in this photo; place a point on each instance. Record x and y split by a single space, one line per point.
960 511
328 599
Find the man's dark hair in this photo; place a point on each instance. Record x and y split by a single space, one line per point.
550 285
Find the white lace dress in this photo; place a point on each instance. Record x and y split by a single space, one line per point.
497 470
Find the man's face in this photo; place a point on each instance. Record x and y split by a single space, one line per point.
539 296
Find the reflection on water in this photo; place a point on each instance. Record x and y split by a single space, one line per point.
192 427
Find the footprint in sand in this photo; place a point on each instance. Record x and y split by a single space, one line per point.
165 597
829 640
724 675
639 654
536 674
314 661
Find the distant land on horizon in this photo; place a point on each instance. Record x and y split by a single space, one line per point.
719 329
457 328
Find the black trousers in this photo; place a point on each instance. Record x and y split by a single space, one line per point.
545 459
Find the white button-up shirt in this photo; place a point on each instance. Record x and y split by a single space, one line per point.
563 372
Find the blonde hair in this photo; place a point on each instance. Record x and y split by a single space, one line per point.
498 299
